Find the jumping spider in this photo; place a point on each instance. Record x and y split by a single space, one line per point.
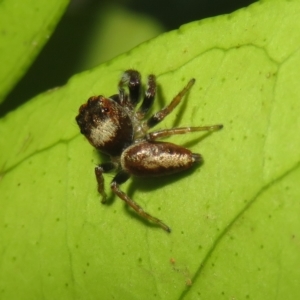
114 127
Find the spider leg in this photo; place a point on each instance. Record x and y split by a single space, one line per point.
115 98
132 79
122 177
148 98
160 115
152 136
99 170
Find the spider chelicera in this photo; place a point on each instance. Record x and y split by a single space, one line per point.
114 127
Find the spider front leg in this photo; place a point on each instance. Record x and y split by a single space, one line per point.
132 79
148 98
122 177
99 170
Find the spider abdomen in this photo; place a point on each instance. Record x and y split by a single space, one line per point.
157 159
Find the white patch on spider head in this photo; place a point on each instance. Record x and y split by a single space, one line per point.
107 131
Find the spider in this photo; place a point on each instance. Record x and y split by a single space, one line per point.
115 128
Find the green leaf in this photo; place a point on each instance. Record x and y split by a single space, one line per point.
235 220
25 27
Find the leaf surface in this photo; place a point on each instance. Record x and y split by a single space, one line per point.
235 219
25 27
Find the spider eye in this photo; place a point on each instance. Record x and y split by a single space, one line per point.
105 110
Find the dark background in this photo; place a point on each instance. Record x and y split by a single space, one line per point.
58 59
